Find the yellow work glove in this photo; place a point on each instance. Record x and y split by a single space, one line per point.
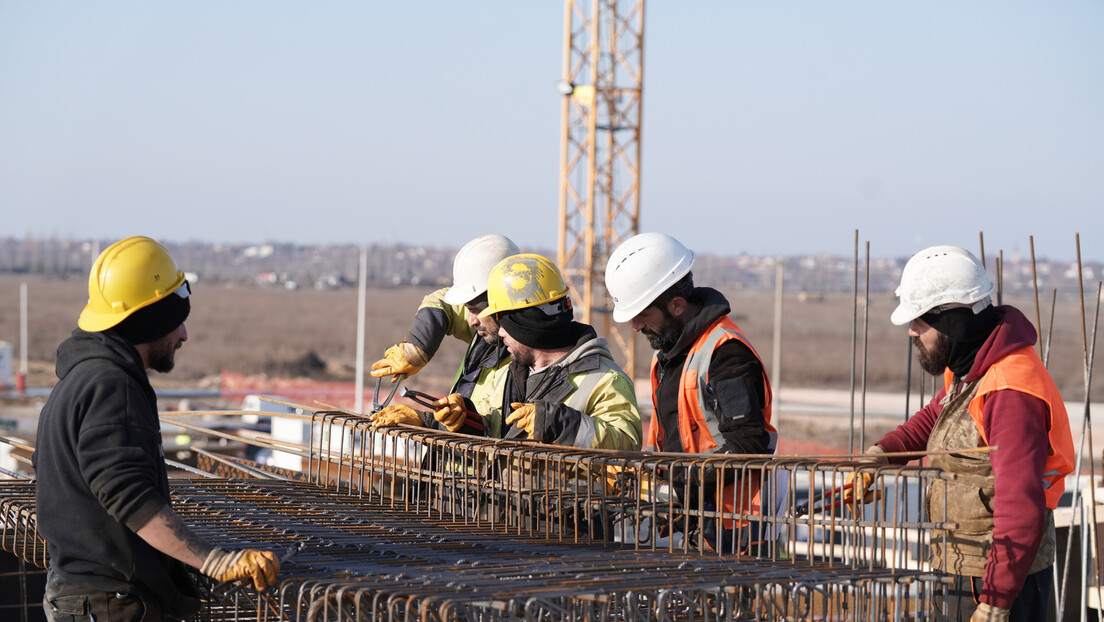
988 613
451 411
402 358
863 481
524 416
259 566
397 414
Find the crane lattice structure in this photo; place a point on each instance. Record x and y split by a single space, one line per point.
600 153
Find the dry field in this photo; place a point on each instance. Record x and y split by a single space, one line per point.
261 330
257 330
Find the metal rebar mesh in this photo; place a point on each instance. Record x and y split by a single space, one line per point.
424 525
798 508
365 560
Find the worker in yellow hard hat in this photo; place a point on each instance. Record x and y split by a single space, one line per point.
453 311
117 549
563 386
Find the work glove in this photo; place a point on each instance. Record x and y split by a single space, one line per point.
396 414
402 358
524 416
863 481
259 566
988 613
451 411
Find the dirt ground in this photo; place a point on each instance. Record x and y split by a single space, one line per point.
828 344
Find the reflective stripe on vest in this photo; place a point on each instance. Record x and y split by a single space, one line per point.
698 431
1023 371
580 397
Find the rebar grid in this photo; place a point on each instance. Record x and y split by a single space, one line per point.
364 559
648 500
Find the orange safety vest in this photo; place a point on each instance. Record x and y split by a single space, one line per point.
1023 371
697 422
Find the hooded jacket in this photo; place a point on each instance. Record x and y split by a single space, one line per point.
582 400
101 475
1017 423
736 378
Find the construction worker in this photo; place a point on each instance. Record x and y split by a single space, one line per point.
117 549
710 393
453 311
997 393
563 386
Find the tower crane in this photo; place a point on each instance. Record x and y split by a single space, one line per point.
599 198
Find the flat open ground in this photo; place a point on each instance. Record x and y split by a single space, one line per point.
274 332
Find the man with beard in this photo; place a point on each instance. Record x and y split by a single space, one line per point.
709 391
998 394
563 386
453 311
117 548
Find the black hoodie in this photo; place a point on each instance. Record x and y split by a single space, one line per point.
101 475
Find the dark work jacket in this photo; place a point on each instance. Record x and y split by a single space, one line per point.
732 362
100 472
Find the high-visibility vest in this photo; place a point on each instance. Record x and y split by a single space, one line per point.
698 423
1023 371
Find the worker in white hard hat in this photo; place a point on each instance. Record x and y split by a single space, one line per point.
117 549
997 393
710 392
562 386
453 311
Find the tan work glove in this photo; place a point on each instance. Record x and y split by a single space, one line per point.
397 414
863 481
988 613
402 358
451 411
524 416
259 566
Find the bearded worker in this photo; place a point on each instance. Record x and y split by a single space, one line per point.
710 392
997 394
117 549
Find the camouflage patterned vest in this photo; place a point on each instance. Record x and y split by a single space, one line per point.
968 499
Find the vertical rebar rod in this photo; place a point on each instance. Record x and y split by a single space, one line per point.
1035 292
854 345
866 344
1000 277
908 376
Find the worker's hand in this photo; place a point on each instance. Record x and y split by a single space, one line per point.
402 358
396 414
988 613
450 411
261 567
862 482
524 416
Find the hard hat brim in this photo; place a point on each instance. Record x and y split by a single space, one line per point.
903 315
459 296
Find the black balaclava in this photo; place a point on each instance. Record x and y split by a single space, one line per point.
546 326
155 321
966 332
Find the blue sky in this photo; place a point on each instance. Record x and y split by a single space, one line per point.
769 127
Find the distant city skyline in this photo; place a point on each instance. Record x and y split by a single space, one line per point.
769 128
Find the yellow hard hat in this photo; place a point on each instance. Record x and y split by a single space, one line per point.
130 274
523 281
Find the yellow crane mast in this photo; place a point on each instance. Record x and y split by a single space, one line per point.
600 153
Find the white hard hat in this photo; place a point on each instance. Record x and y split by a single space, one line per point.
473 264
939 276
641 269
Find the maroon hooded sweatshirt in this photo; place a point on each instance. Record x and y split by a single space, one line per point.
1017 424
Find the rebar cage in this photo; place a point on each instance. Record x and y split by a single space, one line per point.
414 524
